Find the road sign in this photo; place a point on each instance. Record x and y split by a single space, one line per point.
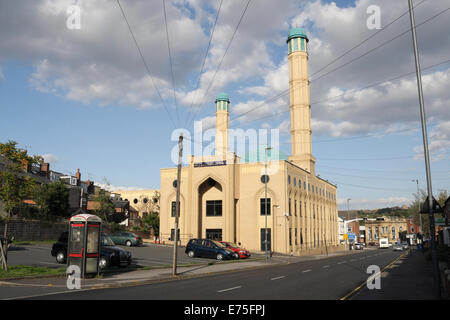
345 236
439 221
351 236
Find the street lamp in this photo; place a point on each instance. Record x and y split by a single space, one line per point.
266 178
418 197
348 218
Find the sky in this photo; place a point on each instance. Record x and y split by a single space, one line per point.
84 98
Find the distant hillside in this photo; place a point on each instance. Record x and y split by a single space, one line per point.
389 212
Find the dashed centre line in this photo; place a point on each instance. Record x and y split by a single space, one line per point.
278 278
229 289
304 271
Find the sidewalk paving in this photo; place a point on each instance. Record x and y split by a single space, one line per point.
138 277
409 278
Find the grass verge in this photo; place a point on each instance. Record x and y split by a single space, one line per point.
30 271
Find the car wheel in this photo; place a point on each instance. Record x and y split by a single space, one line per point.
103 263
191 254
236 256
219 256
60 257
128 243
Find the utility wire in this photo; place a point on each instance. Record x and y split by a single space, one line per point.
203 64
170 59
223 57
145 63
352 90
367 39
341 66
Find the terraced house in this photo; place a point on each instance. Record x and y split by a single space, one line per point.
223 197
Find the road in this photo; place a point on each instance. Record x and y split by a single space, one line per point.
330 278
145 255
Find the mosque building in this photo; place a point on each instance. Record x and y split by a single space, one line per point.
224 198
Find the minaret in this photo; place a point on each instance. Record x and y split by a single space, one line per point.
300 105
222 120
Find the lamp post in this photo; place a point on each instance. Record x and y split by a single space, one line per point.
418 196
434 256
265 199
275 206
348 218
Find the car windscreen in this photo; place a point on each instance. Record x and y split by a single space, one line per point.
107 241
220 245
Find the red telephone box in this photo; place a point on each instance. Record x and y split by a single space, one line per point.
84 243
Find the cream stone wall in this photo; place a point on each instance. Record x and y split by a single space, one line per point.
139 196
303 219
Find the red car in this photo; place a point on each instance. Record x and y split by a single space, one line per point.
243 253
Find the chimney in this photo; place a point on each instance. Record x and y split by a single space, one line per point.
45 168
78 175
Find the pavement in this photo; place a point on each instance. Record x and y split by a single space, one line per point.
396 278
410 277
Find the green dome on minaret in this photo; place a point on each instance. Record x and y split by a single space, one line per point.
222 97
297 33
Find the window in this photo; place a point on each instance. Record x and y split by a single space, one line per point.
295 207
214 208
174 208
289 206
295 182
135 201
393 233
263 202
214 234
289 179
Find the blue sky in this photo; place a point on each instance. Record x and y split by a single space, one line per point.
83 98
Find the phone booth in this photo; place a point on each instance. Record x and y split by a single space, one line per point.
84 243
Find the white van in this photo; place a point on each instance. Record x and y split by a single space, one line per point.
384 243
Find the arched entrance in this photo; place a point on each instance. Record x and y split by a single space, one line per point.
211 206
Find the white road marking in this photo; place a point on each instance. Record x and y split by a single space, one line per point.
304 271
342 262
234 288
277 278
326 266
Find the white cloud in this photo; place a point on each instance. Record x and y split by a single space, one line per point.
50 158
365 203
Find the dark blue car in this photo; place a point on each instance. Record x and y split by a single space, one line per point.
206 248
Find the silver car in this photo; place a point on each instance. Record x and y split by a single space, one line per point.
397 247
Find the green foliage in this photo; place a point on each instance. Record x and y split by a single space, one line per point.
52 199
106 208
151 221
15 185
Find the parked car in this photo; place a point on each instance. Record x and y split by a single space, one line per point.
397 247
384 243
126 238
208 249
241 252
405 245
110 255
359 246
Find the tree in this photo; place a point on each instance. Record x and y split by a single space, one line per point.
106 209
15 185
152 221
414 208
53 199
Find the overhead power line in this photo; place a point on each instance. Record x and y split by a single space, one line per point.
223 57
204 61
285 92
347 92
170 59
145 63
